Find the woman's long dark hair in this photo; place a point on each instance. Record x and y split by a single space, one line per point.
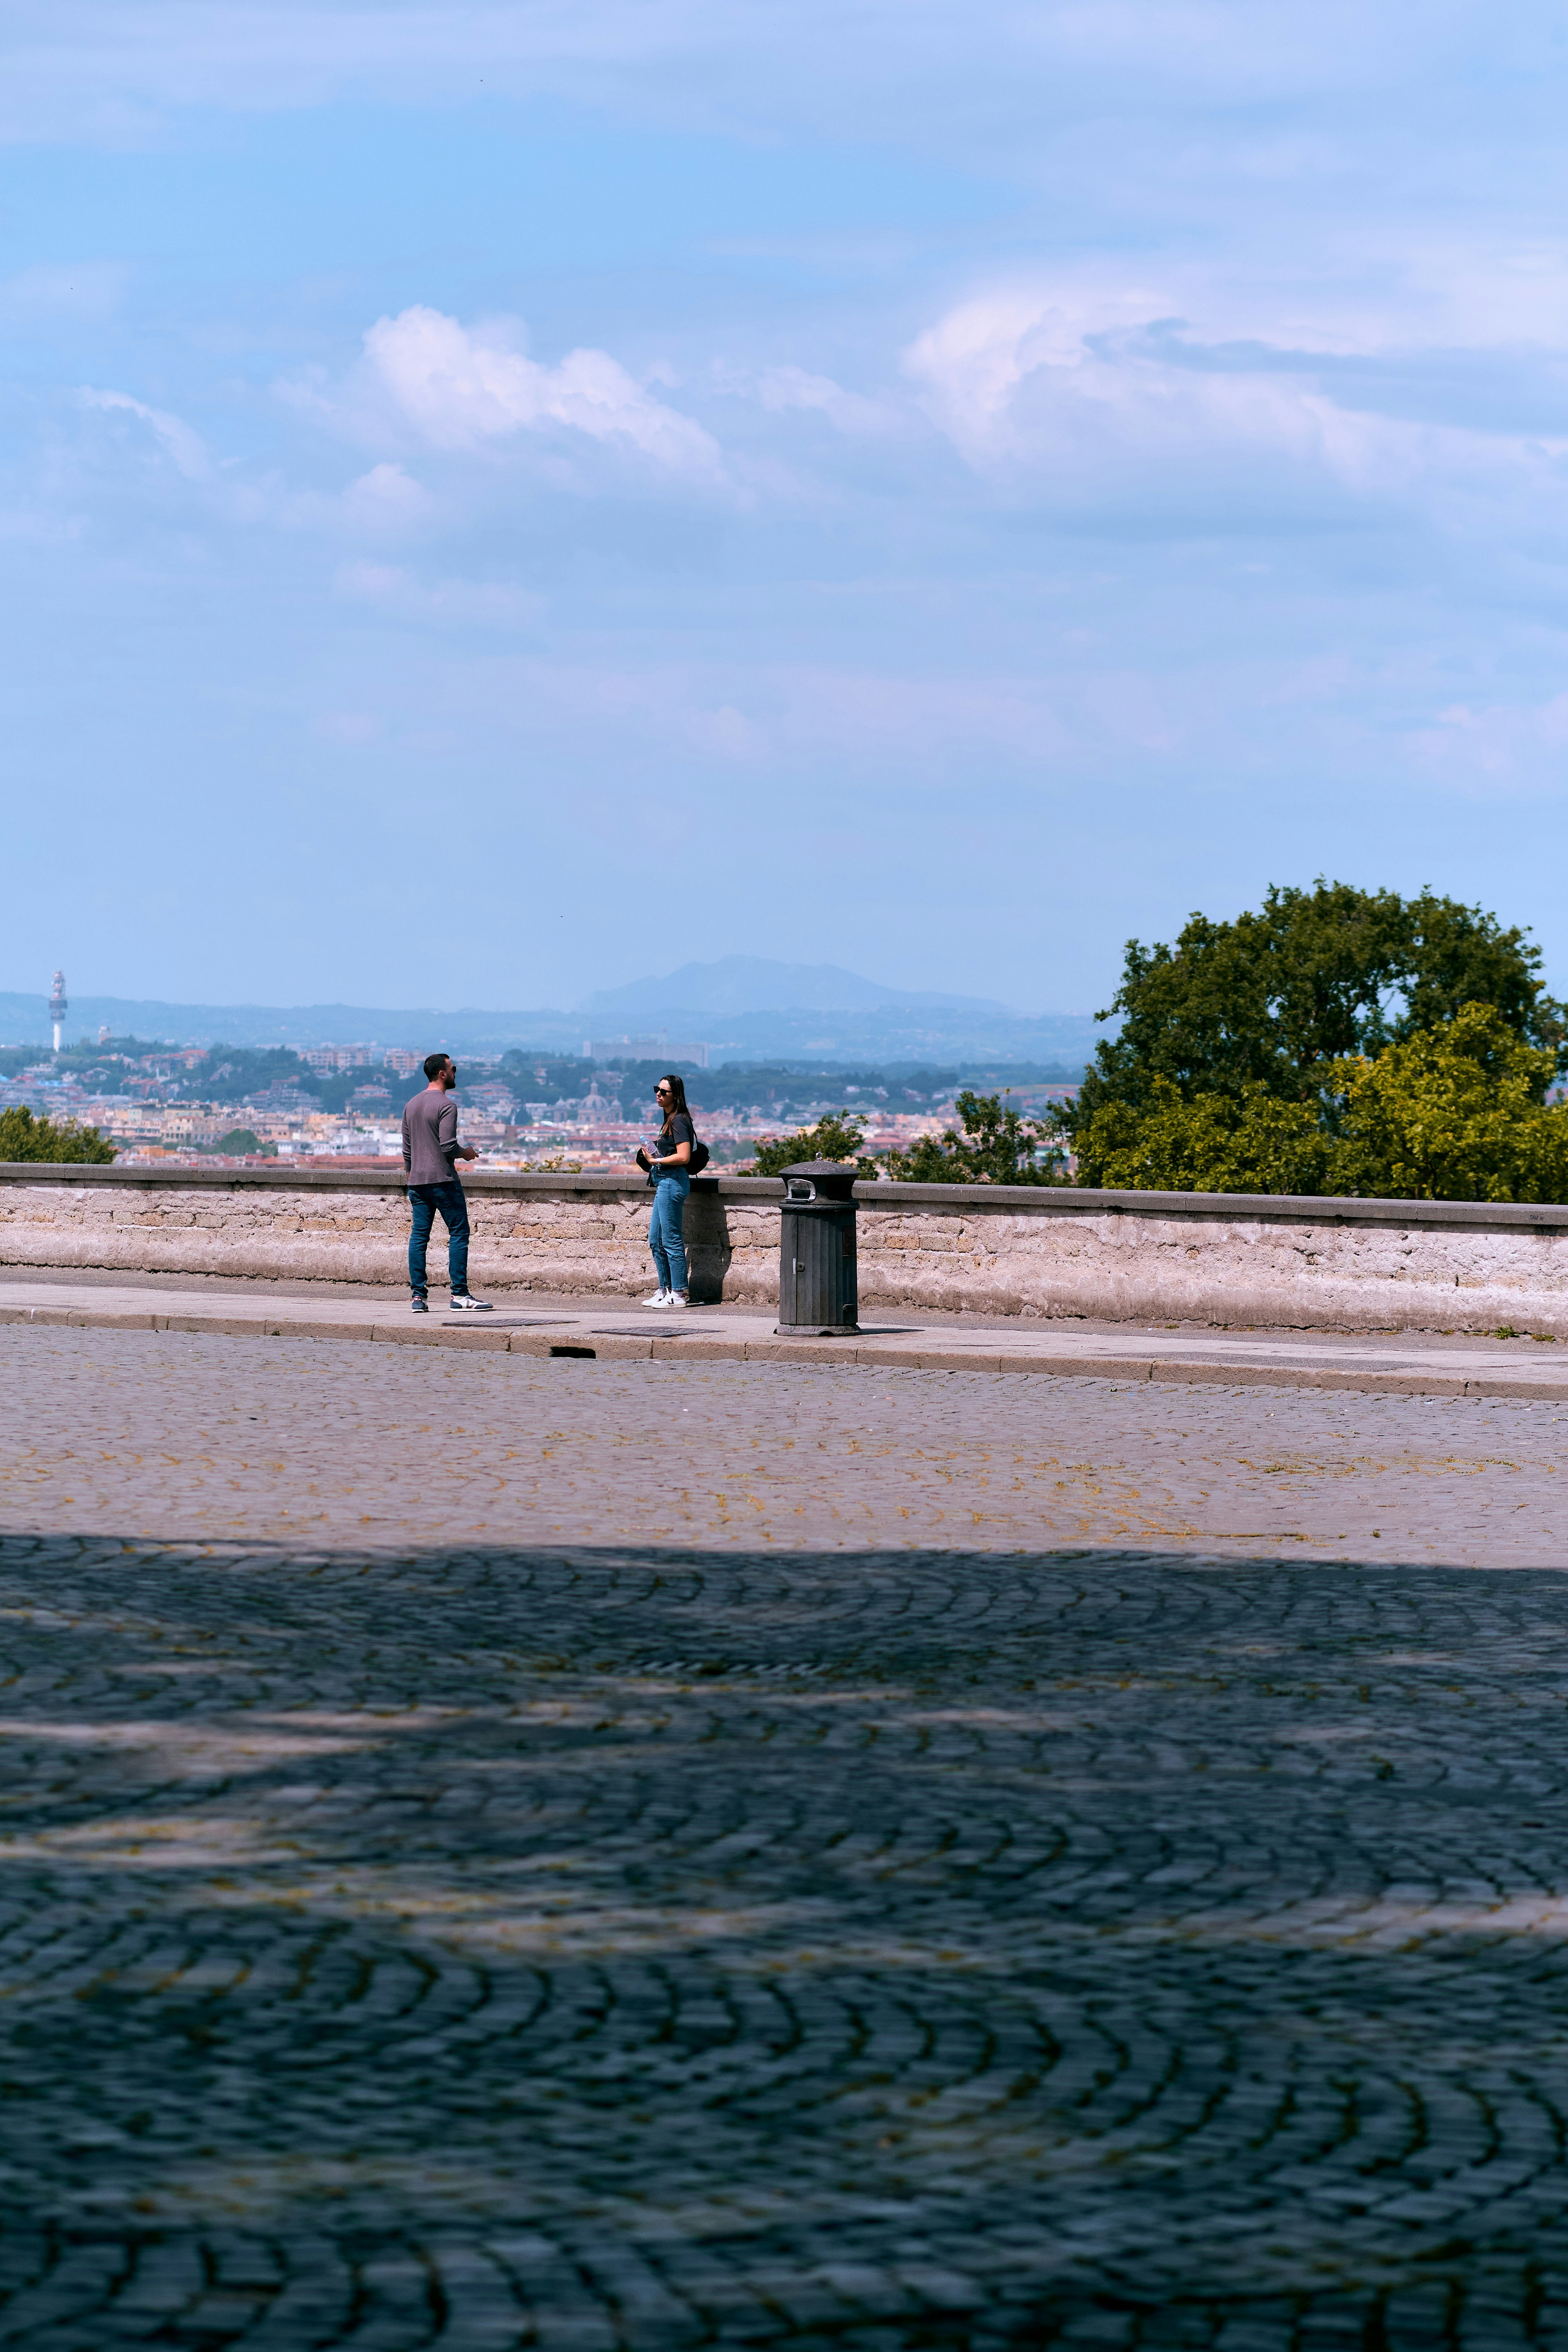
677 1098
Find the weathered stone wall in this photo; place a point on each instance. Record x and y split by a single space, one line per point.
1122 1256
322 1229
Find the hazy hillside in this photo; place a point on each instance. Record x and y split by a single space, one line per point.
743 1007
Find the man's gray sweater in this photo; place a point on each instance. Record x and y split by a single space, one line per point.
430 1137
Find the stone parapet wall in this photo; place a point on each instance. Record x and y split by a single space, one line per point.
1118 1257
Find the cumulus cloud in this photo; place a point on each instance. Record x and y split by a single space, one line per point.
185 448
1118 394
1031 378
462 388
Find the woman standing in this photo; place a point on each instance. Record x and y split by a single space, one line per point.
667 1160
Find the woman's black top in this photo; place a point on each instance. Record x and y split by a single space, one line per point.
678 1130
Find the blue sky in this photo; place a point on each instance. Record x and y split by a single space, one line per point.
495 499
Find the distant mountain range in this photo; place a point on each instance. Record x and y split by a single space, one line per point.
741 985
745 1008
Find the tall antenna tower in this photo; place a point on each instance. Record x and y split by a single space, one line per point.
59 1008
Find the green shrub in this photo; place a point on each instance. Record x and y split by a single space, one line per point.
835 1136
996 1147
23 1137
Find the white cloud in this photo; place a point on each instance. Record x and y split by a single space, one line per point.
782 388
185 448
462 389
1076 380
387 498
980 76
451 604
1499 746
1174 397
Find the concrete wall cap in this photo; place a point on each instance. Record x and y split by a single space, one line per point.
593 1183
967 1199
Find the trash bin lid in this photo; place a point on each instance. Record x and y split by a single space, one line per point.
831 1180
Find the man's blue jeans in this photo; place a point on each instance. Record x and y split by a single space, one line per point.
423 1200
666 1237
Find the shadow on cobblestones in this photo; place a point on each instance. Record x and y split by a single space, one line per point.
909 1952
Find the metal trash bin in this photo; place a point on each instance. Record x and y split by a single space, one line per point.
817 1279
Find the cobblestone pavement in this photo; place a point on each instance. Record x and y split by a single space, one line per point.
646 1892
176 1434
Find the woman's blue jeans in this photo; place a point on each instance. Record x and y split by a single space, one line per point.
666 1237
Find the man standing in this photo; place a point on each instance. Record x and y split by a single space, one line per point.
430 1153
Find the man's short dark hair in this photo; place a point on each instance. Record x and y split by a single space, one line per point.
435 1064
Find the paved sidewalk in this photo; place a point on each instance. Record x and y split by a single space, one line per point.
1411 1364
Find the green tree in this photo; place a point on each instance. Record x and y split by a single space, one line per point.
1456 1115
1212 1144
23 1137
242 1140
1275 998
835 1136
996 1147
1453 1114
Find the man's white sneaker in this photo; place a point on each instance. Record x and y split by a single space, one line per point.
678 1298
463 1300
659 1298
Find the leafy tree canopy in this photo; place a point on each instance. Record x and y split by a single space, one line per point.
1451 1114
996 1147
1209 1143
1455 1114
23 1137
1268 1003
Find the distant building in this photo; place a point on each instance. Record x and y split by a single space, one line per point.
59 1008
339 1058
491 1096
282 1098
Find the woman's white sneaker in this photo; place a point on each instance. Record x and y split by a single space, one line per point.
678 1299
659 1298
